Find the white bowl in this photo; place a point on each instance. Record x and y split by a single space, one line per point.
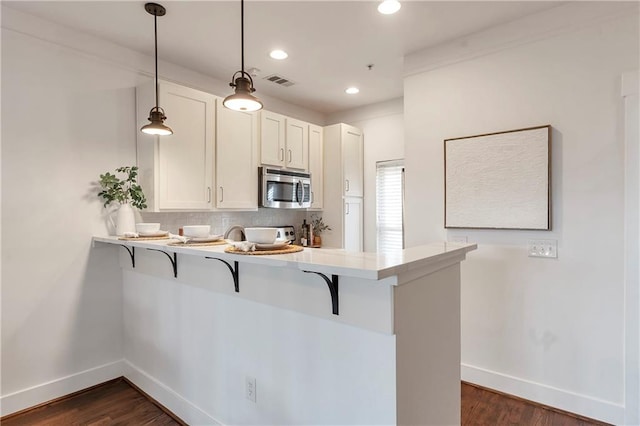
261 235
196 231
147 227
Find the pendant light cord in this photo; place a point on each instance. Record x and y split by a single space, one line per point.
242 34
155 32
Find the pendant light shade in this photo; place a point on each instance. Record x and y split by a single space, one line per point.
157 126
242 99
156 115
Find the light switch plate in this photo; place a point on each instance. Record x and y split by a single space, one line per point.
543 248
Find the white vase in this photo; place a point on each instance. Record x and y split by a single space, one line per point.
125 220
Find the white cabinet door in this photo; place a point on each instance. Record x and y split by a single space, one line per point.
178 169
352 154
297 144
272 138
353 217
316 165
236 159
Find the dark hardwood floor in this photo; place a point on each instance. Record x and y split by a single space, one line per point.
482 406
111 403
117 402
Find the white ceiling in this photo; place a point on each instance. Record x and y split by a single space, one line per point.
330 43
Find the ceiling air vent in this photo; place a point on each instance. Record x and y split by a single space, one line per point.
278 79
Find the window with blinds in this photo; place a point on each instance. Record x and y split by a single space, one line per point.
390 205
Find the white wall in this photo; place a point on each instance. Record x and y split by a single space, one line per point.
383 128
64 121
550 330
631 93
68 114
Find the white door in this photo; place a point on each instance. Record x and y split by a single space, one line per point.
297 146
272 139
353 224
315 166
186 158
236 154
352 153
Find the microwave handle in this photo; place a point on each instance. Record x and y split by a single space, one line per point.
301 186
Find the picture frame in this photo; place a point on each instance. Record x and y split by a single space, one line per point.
499 180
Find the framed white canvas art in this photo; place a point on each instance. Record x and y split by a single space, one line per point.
499 180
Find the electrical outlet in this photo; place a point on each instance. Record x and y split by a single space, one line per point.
543 248
250 388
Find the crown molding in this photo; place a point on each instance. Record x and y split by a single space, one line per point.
565 18
368 112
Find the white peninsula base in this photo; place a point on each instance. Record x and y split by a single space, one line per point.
391 356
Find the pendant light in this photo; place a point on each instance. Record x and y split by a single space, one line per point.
156 115
242 99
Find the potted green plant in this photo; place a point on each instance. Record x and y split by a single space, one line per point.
318 227
125 191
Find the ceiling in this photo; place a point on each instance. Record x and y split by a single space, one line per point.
330 43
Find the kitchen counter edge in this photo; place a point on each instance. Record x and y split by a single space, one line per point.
373 266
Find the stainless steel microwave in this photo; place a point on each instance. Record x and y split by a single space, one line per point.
284 189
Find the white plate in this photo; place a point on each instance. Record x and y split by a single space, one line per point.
278 244
154 234
209 239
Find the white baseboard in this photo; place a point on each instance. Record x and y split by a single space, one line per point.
583 405
543 394
166 396
44 392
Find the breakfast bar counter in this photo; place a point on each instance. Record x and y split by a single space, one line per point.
372 266
322 336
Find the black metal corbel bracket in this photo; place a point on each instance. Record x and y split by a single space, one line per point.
333 289
132 254
173 259
234 272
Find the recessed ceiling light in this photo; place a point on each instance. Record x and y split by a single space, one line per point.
279 54
352 90
388 7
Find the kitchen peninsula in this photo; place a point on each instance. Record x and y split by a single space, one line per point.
322 336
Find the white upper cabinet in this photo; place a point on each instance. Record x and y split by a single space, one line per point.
297 144
236 159
176 171
316 165
272 138
353 158
284 142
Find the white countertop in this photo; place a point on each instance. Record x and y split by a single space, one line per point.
373 266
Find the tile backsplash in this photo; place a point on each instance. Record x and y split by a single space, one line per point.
220 221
